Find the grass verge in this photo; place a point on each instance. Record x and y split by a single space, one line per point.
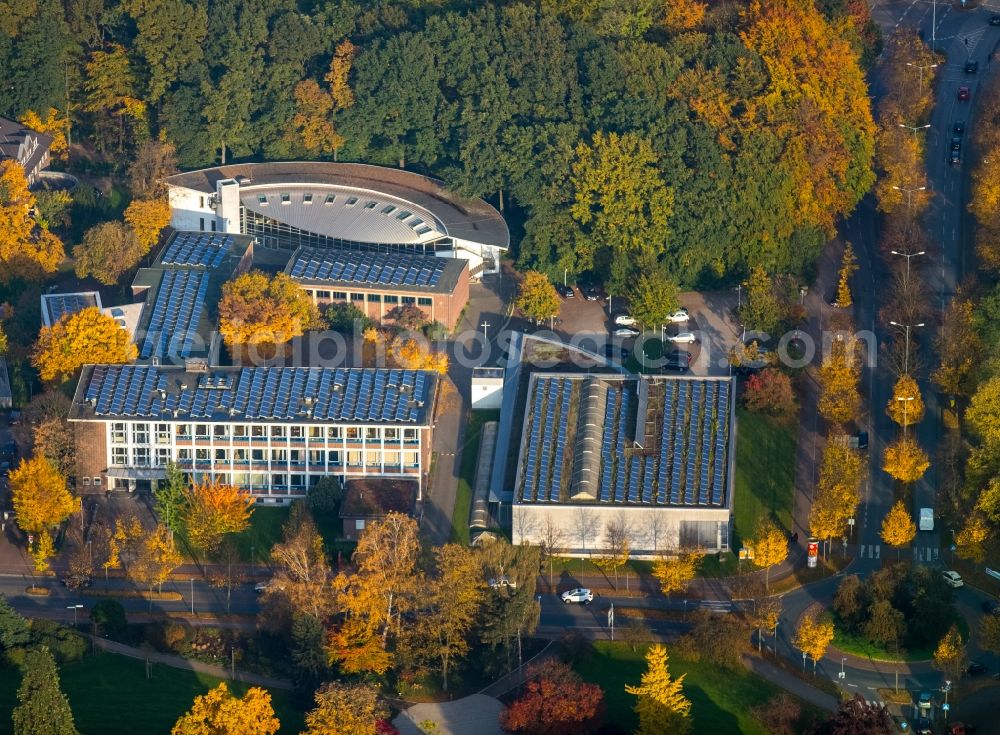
134 594
467 474
765 473
722 700
110 695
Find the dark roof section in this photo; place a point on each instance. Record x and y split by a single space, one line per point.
391 271
377 496
13 134
57 305
466 219
224 395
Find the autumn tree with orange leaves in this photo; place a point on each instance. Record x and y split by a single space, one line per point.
27 249
147 218
312 125
264 312
212 510
220 713
409 354
555 699
88 336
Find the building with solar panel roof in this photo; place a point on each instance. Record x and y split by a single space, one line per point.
652 454
274 431
320 204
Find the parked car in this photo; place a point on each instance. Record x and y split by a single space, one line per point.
952 578
991 607
964 94
976 668
566 292
678 362
926 521
593 293
626 332
624 320
679 316
502 582
580 595
682 338
958 128
971 67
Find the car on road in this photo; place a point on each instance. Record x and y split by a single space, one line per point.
624 320
679 316
626 332
926 519
955 158
566 292
975 668
952 578
991 607
995 19
76 581
682 338
923 726
925 700
958 128
261 587
580 595
971 67
964 94
956 143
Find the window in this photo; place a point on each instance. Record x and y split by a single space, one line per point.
240 455
307 198
286 198
277 432
410 435
334 432
315 432
279 455
119 456
257 455
183 431
416 222
388 209
240 431
390 299
354 459
371 432
297 480
221 455
214 224
183 455
262 199
371 204
258 431
142 456
392 458
342 295
295 456
201 455
316 456
278 480
403 215
163 433
359 524
118 433
219 431
391 433
423 230
322 294
86 480
373 458
409 299
97 481
162 456
353 432
201 224
330 199
424 301
296 432
333 457
201 202
412 459
374 298
201 431
351 201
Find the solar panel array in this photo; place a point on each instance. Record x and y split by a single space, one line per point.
384 269
254 394
198 249
59 305
686 464
175 314
547 438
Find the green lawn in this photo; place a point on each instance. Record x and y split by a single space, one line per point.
857 645
264 532
721 699
765 473
467 474
110 695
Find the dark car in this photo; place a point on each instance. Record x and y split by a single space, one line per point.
76 581
975 668
566 292
593 293
923 726
955 158
971 67
958 128
995 20
610 351
956 144
964 94
679 361
991 607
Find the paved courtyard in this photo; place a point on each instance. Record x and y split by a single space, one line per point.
476 714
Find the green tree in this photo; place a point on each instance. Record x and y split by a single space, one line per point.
170 498
762 310
14 631
653 298
42 707
885 623
169 38
108 251
661 706
307 653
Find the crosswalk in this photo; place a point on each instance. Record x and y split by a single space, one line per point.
870 551
922 554
926 554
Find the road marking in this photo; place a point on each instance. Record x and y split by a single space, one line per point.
862 550
878 551
853 685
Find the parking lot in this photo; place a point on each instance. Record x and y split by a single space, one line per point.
590 325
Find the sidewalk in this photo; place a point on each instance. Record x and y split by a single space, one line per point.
790 683
178 662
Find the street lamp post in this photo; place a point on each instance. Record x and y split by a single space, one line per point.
914 128
908 256
907 327
803 662
909 192
739 296
192 595
920 68
74 608
906 403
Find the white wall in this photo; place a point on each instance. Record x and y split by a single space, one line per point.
652 529
186 210
487 393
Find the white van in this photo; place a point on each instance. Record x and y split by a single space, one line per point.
926 522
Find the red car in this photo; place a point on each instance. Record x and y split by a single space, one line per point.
963 94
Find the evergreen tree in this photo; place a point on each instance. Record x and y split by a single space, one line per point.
43 709
662 706
169 498
13 627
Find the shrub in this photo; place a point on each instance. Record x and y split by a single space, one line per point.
65 643
770 392
325 496
344 317
109 617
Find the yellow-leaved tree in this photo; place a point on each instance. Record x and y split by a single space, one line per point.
770 547
675 573
88 336
839 400
41 502
409 354
157 558
27 249
684 15
218 712
972 538
906 407
537 298
905 460
949 656
264 312
661 705
814 636
147 218
213 509
898 528
848 265
54 125
345 709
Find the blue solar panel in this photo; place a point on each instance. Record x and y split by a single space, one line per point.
607 455
634 480
354 266
197 249
556 485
